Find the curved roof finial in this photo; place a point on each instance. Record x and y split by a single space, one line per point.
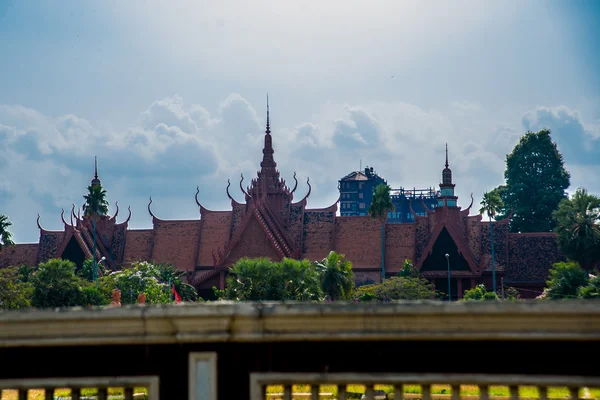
72 214
196 196
62 216
471 205
242 188
129 216
227 189
38 223
149 210
116 212
296 185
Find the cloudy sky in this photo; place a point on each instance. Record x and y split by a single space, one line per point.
171 94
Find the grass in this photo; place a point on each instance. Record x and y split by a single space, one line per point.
39 394
465 390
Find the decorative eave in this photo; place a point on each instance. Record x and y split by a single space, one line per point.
463 249
303 201
267 322
45 231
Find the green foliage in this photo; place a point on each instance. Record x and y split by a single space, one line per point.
591 290
55 285
142 277
397 288
337 278
408 270
491 203
578 228
171 275
87 270
536 180
24 273
13 293
5 235
479 293
381 203
565 280
262 279
95 201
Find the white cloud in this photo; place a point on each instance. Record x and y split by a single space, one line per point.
46 162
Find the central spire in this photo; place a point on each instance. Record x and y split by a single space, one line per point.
268 163
446 143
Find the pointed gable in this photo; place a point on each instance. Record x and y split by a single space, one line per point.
436 259
254 242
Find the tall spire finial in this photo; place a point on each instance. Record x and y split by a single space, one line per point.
268 131
446 155
96 180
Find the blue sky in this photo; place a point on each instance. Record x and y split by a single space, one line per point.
171 95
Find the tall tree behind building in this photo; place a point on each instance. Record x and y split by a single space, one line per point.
5 235
536 180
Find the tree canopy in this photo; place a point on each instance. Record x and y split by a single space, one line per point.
578 228
337 278
536 180
5 235
381 203
95 201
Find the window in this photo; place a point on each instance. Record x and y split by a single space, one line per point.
360 195
360 185
361 205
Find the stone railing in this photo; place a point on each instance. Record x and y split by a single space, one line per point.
228 321
420 386
100 388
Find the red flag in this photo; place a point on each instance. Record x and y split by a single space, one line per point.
177 296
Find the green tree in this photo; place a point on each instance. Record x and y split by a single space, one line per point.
381 204
142 277
536 180
262 279
55 285
479 293
565 280
95 201
408 270
491 203
87 270
5 235
578 228
13 292
397 288
337 278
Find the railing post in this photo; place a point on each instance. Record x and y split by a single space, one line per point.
513 392
484 392
455 392
75 393
426 392
342 392
49 394
23 394
314 391
398 392
543 392
287 392
102 393
574 393
369 393
128 392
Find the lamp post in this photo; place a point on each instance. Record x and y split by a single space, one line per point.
448 262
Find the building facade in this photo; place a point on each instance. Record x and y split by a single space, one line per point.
356 192
356 195
270 222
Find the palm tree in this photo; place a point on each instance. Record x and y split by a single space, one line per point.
95 201
381 204
337 278
5 235
578 228
492 204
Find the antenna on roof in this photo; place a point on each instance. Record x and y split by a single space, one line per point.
360 169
